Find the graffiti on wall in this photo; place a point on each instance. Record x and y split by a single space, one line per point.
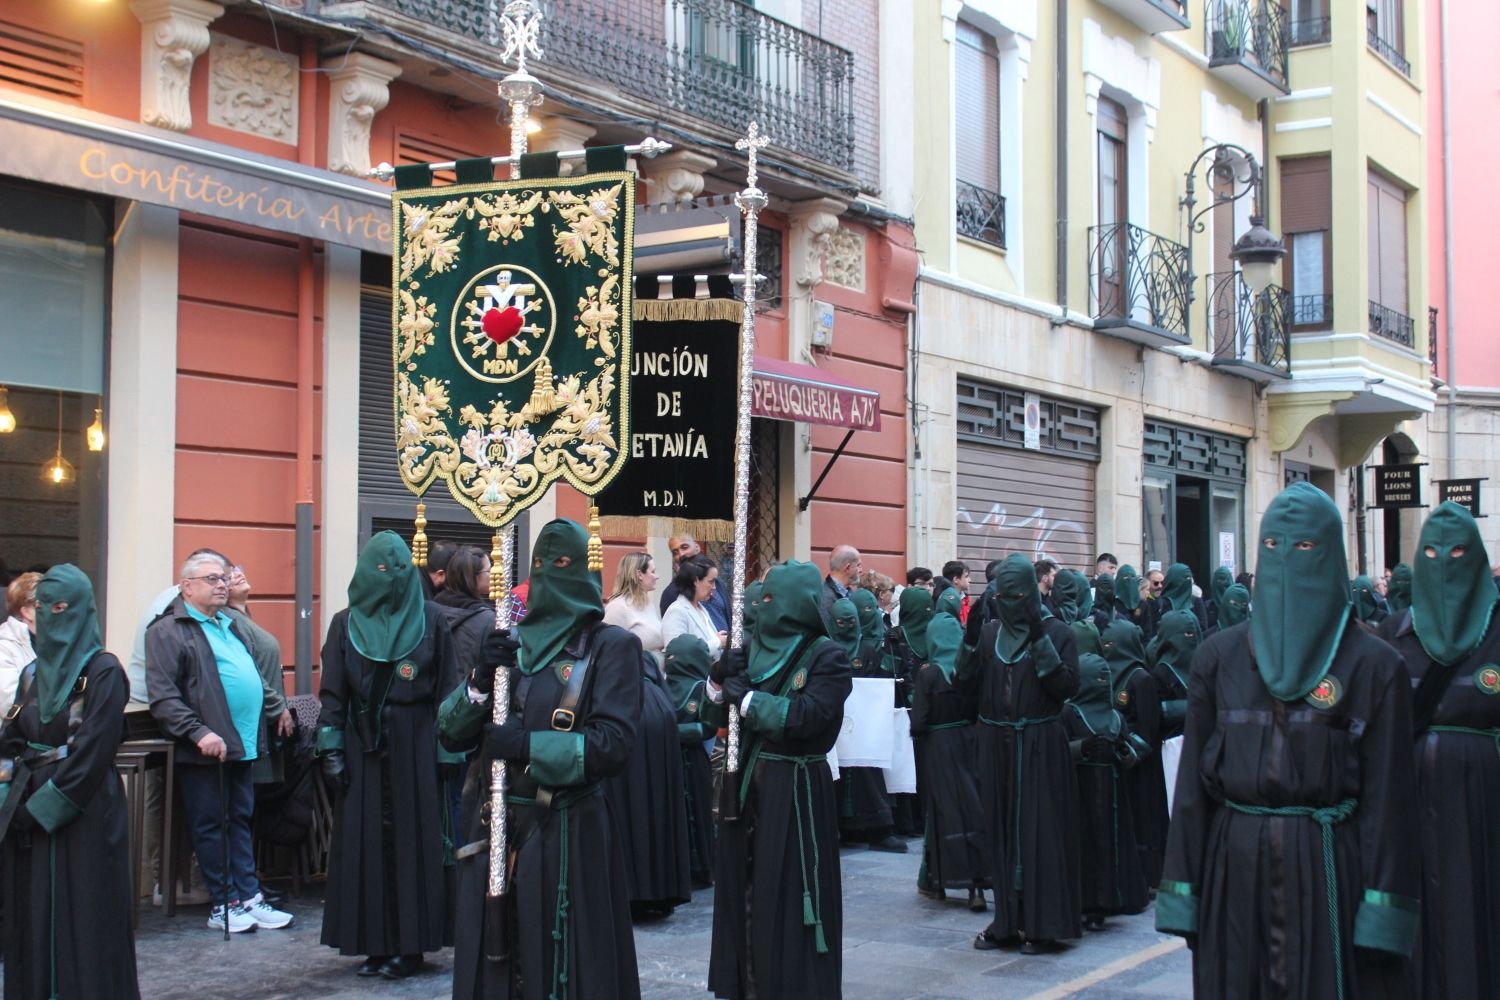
999 532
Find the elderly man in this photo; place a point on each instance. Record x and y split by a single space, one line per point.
843 573
686 547
207 694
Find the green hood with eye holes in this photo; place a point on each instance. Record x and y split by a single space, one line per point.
1452 596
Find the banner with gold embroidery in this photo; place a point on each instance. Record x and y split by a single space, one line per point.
512 330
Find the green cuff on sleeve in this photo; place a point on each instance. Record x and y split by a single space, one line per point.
51 808
688 733
556 758
1176 908
1044 658
1387 922
459 719
767 714
713 713
446 756
329 738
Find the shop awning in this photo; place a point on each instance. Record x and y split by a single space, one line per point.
785 390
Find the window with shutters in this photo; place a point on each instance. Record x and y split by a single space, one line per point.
1386 243
980 207
1385 32
1306 221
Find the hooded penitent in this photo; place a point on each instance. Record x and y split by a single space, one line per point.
1085 595
1095 700
870 625
844 629
1220 583
1398 594
1302 602
1366 601
1124 648
752 608
1020 603
1453 594
1176 641
1065 595
1177 587
1234 607
563 598
387 612
916 612
1104 592
65 640
950 602
788 615
686 662
944 636
1128 588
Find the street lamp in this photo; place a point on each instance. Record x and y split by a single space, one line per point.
1258 251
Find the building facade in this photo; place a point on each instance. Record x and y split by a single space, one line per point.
1093 370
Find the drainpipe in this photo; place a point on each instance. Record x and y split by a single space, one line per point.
306 375
1448 337
1062 162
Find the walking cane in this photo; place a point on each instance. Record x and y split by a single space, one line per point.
224 846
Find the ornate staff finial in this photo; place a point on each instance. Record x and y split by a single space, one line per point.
522 25
752 144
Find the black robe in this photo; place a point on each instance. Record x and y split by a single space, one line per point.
955 844
1256 882
898 660
864 806
698 785
763 944
84 865
649 806
1110 873
1139 701
594 923
389 867
1033 825
1458 787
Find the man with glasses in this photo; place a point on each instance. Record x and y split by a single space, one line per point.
207 694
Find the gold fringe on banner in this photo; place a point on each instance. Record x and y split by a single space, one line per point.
705 530
419 538
691 310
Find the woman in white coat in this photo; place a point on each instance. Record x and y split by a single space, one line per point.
695 582
631 606
15 636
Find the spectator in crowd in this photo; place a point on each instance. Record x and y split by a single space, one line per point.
15 635
884 589
435 575
920 576
1246 580
207 694
955 576
631 607
1106 563
1046 575
1155 581
465 600
686 547
843 572
265 650
695 583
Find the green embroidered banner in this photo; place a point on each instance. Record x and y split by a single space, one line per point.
512 334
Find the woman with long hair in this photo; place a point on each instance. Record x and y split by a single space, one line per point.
465 600
631 606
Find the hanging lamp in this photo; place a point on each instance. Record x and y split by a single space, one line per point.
58 471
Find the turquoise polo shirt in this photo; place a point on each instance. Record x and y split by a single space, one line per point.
237 673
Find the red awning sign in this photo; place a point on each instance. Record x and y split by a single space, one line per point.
788 391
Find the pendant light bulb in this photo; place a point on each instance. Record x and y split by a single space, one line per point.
59 471
7 418
95 433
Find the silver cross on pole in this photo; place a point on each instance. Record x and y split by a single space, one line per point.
521 24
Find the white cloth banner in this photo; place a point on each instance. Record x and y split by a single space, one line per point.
901 776
868 733
1171 755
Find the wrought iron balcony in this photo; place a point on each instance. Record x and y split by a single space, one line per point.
720 63
1388 51
1138 285
1432 354
1391 325
1311 31
981 214
1152 15
1247 45
1312 312
1251 334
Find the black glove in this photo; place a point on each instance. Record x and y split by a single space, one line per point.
508 741
21 820
736 686
498 649
1097 749
734 661
334 770
975 624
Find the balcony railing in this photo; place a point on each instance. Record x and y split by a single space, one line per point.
1138 284
1311 31
719 61
1432 355
1313 312
1391 325
981 214
1388 51
1251 334
1247 43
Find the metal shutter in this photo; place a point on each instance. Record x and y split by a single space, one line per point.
1305 195
977 116
1036 504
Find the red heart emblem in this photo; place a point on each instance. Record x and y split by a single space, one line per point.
501 324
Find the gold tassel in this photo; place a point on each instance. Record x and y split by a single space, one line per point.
689 310
596 544
419 539
498 590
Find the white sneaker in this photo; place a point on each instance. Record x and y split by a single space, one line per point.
265 915
240 919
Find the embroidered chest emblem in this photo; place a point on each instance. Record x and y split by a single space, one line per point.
692 708
857 662
407 670
1327 693
799 680
564 670
1487 679
1122 699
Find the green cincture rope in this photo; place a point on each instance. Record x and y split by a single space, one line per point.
1493 734
52 887
1019 726
961 723
812 897
561 804
1327 818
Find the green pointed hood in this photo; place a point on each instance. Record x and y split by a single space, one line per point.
686 662
562 600
870 625
1019 600
1086 636
1065 595
788 614
751 609
1398 593
949 602
1177 587
1085 595
944 636
1104 593
1302 600
916 613
844 626
1366 601
387 612
1128 588
1221 581
1234 607
1453 594
1095 700
1177 638
1124 647
66 641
